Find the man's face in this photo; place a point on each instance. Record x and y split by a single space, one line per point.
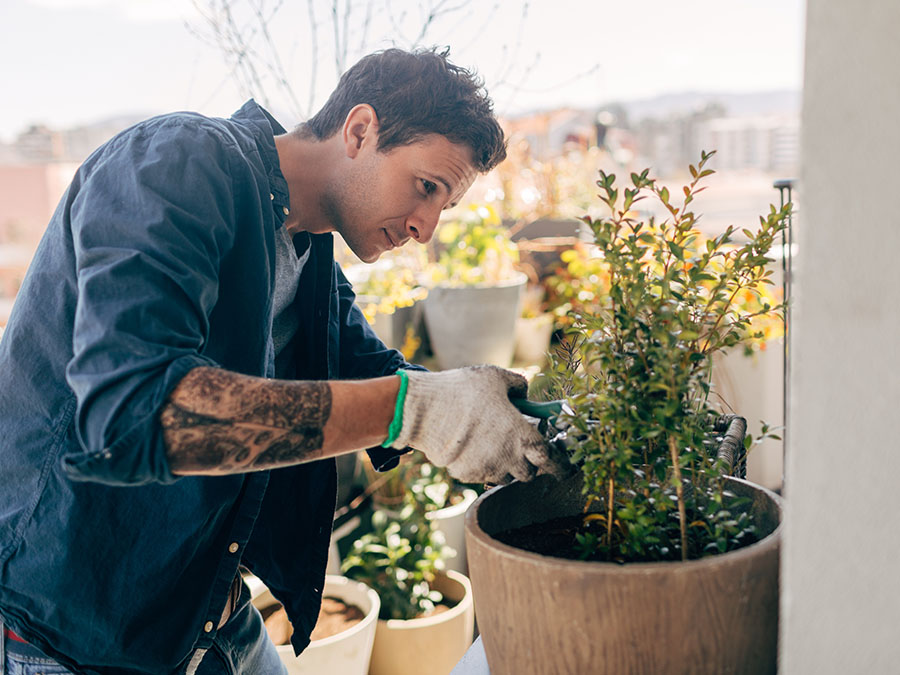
384 199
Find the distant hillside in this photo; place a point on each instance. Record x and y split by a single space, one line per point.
775 102
677 104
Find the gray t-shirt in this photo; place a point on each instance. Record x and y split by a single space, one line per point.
288 266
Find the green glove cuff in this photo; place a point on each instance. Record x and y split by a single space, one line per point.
397 422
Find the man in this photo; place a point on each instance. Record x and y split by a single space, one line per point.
185 359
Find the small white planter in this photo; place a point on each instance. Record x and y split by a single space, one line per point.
429 646
533 339
451 522
348 652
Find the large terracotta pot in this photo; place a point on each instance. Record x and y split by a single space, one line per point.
538 614
431 645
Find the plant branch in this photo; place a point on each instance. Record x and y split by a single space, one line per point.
679 490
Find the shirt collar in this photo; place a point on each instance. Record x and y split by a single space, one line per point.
253 114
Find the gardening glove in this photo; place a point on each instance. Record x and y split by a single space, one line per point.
463 420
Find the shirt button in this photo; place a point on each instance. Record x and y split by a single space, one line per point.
208 627
286 211
272 196
233 548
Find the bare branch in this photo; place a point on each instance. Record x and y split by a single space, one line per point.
277 69
242 30
314 51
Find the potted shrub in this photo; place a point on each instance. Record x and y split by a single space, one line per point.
427 618
475 292
651 558
343 637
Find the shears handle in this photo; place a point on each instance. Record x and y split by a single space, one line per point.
543 410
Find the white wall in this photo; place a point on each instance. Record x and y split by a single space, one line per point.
841 559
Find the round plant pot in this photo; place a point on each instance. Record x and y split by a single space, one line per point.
347 652
432 645
470 325
541 614
451 522
533 338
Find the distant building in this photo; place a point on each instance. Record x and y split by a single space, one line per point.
40 144
769 143
29 194
35 170
550 133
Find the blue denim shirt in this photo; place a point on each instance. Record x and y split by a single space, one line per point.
159 259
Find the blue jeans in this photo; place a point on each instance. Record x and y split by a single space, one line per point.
241 647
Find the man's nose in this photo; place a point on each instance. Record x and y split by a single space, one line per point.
421 223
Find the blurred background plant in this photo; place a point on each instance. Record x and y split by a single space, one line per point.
579 286
527 188
387 289
393 282
473 248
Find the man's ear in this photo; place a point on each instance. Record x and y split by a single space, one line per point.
360 129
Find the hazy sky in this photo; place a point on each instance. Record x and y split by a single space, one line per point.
67 62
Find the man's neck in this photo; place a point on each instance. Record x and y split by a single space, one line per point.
307 165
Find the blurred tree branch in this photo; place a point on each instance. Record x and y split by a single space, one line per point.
261 46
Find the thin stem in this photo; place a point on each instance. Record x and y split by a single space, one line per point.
610 505
679 490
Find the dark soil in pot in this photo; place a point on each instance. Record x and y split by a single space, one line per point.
557 538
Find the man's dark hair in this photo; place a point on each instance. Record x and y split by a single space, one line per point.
415 94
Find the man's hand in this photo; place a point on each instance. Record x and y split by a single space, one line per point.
463 420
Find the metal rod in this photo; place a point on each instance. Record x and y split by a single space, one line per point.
785 189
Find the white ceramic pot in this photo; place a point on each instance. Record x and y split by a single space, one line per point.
470 325
451 522
348 652
533 339
432 645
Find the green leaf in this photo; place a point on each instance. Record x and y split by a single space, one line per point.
676 250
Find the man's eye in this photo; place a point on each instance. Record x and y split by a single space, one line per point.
429 186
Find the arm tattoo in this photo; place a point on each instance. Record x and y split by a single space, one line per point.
221 422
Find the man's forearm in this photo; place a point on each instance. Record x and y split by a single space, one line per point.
221 422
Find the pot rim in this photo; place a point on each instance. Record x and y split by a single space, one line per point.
770 541
458 609
334 583
469 497
517 279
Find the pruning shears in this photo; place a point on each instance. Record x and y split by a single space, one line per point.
542 410
548 413
556 433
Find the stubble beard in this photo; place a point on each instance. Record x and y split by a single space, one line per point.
332 209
